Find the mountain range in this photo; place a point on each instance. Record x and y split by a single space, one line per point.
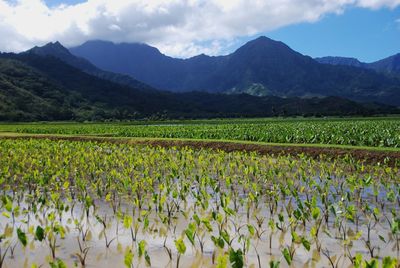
54 83
59 51
389 65
261 67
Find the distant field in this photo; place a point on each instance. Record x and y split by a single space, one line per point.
370 132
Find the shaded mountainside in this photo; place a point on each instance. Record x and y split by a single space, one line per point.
260 67
25 94
389 65
147 64
341 61
34 87
59 51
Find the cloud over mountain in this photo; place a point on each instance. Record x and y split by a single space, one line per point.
177 27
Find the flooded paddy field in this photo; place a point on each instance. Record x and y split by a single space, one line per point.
81 203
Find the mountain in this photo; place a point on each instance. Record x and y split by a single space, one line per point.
261 67
26 95
59 51
34 87
341 61
389 65
148 64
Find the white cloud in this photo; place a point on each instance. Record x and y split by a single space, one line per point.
178 27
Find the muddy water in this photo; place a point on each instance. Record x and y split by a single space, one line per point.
100 256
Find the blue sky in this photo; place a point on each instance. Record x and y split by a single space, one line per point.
365 29
362 33
59 2
368 35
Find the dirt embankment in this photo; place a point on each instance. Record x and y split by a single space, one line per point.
391 158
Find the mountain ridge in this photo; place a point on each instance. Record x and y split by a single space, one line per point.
337 60
389 65
263 67
57 50
44 88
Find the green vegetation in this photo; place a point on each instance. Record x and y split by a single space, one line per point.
378 132
25 94
36 88
83 203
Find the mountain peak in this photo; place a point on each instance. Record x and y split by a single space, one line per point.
267 49
50 49
98 47
98 42
263 38
390 64
55 45
200 56
264 43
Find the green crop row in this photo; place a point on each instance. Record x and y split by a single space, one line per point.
382 132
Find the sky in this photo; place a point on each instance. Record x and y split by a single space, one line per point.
366 29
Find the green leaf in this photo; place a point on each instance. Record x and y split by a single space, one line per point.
196 219
128 258
251 229
297 214
271 224
146 223
274 264
389 262
6 214
190 235
39 233
147 258
315 212
372 264
22 237
225 236
141 248
229 211
8 206
222 261
180 246
66 185
127 221
218 241
358 261
287 256
306 243
58 264
296 238
207 224
382 239
313 231
236 258
61 264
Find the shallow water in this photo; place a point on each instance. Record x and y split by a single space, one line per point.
247 183
101 256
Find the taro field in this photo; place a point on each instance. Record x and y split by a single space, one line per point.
366 132
88 204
